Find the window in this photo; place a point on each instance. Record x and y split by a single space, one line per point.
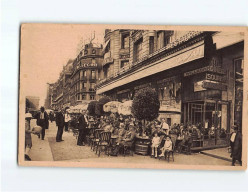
151 45
124 63
125 41
167 37
84 85
92 86
138 50
83 96
160 39
93 74
92 97
83 74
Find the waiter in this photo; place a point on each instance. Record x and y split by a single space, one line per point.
42 121
82 128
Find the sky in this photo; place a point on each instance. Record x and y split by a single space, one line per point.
46 48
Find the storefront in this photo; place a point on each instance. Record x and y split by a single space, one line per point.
203 105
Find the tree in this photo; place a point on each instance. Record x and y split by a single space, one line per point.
99 105
92 107
145 105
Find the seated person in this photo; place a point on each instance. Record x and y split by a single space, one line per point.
167 147
186 140
155 144
128 137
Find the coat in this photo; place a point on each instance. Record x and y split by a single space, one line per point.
82 124
39 123
60 120
237 147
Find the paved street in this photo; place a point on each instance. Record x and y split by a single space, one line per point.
50 150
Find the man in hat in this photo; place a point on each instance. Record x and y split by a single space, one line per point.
237 148
42 121
60 121
82 128
232 138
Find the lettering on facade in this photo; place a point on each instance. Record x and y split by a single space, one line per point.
86 65
214 69
142 86
123 91
214 85
214 77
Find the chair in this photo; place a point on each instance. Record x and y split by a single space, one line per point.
104 142
96 138
170 153
90 136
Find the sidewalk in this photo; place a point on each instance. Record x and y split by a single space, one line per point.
220 153
50 150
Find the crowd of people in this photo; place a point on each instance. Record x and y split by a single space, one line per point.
163 137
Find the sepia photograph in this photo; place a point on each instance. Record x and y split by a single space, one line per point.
132 96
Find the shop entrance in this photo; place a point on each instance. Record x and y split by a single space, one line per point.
211 118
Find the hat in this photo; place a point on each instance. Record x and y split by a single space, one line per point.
28 115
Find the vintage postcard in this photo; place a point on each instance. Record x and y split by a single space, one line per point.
133 96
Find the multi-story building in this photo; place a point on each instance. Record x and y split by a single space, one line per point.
85 74
197 75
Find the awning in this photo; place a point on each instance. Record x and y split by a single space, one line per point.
183 56
225 39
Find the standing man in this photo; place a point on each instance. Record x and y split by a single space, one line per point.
60 123
82 127
42 121
165 127
237 148
67 119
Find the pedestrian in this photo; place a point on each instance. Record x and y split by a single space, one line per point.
232 138
28 139
60 123
42 121
67 120
237 148
82 127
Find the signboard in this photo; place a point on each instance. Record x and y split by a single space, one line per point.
214 85
214 69
198 86
215 77
124 56
87 65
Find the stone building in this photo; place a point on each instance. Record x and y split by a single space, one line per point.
197 75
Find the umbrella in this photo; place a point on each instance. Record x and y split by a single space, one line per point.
125 108
111 106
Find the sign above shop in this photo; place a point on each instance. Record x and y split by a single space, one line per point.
142 86
215 77
126 56
213 69
207 84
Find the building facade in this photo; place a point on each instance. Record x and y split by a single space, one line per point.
77 81
197 75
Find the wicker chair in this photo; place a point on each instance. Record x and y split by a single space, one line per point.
96 138
104 142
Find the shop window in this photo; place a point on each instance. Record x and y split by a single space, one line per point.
124 63
125 41
138 50
151 45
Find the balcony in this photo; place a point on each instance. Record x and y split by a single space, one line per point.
107 58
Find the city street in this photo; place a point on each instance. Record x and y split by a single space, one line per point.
50 150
